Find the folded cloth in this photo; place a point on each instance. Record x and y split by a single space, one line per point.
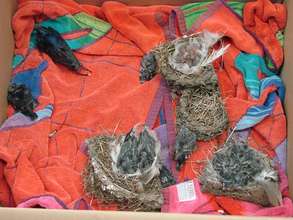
256 114
264 19
249 65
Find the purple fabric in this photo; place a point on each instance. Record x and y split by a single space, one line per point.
81 204
244 134
20 120
162 136
281 152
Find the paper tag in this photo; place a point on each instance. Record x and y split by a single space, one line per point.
186 191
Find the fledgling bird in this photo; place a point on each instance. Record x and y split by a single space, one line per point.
184 146
166 177
148 67
21 99
51 42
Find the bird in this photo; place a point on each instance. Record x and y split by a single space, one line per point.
50 42
21 99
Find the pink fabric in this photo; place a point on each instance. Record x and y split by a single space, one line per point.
203 203
44 201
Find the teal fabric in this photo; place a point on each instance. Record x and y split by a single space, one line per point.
17 59
97 28
75 23
249 65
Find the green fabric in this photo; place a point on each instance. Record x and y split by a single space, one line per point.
249 65
68 23
192 11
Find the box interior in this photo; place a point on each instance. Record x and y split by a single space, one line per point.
7 9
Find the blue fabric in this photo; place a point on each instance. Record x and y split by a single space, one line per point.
249 65
31 79
256 114
162 117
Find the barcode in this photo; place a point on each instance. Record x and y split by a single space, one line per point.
186 191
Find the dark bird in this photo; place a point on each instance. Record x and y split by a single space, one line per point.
166 177
51 42
184 146
148 67
21 99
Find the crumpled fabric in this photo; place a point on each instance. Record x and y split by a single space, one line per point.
263 19
257 113
250 65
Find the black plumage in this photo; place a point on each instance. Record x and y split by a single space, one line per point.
137 152
166 177
21 99
50 41
148 67
184 146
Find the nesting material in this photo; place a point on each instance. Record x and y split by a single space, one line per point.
125 170
202 111
187 62
241 172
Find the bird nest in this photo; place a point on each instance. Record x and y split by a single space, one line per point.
240 172
201 110
187 62
109 159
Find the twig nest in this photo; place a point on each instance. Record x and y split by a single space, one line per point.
125 170
202 111
239 171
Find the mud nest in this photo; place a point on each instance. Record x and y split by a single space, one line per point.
103 181
202 111
238 171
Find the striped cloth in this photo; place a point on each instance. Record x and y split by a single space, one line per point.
250 65
257 113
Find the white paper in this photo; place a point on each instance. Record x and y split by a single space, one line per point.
186 191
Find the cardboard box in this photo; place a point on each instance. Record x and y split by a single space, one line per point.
7 8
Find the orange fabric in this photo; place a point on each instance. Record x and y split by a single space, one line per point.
264 19
35 164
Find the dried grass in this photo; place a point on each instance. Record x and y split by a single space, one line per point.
201 110
102 183
240 172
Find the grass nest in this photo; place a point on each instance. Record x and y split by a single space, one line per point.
202 111
205 76
102 183
241 172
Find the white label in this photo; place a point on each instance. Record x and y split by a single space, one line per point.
186 191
